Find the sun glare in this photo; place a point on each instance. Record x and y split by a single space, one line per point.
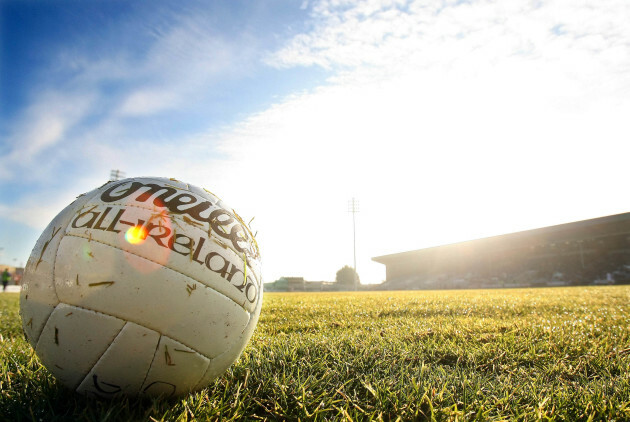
136 235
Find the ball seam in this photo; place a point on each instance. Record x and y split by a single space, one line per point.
65 233
157 347
102 354
163 266
143 326
54 265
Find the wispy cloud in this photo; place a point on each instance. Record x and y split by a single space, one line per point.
449 120
458 117
148 102
184 63
93 110
99 93
42 127
396 35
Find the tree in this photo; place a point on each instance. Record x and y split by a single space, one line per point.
345 276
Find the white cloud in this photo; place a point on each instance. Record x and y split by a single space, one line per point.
178 71
36 211
146 102
469 122
392 35
447 122
183 64
42 126
473 120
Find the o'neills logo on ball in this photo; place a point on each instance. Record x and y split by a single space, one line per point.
194 211
185 203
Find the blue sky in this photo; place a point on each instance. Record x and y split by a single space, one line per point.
447 120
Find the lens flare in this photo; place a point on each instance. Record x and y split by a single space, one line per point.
136 235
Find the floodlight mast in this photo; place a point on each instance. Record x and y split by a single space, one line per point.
115 175
353 207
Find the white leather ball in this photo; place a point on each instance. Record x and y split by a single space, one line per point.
143 286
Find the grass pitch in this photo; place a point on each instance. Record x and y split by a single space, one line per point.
531 354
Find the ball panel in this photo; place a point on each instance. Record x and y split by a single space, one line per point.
205 194
192 252
175 370
162 300
124 366
38 297
73 340
165 181
38 305
222 362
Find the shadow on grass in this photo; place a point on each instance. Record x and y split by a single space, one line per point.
44 399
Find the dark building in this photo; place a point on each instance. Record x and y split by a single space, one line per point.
287 284
298 284
583 252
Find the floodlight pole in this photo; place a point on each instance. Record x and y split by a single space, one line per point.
353 207
115 175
